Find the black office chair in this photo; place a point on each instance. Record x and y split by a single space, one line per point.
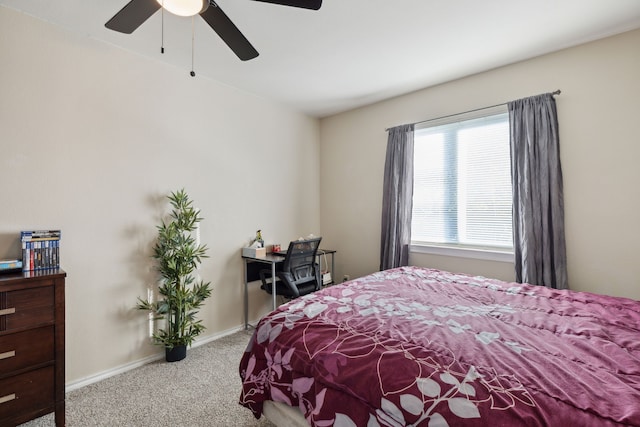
300 273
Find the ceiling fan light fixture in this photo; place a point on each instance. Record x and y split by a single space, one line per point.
184 7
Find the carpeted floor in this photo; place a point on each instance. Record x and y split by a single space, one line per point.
201 390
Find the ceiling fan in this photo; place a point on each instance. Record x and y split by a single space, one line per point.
136 12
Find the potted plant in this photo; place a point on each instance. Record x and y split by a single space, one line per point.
178 255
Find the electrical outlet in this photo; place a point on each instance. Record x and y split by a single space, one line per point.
345 277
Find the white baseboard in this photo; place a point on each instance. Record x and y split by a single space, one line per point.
74 385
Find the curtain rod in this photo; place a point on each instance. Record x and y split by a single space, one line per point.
556 92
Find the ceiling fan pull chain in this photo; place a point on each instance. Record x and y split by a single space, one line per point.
193 41
162 30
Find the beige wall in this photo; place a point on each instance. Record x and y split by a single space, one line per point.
92 138
598 110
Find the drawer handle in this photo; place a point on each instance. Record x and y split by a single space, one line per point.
7 311
7 354
7 398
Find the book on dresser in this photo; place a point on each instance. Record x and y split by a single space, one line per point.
10 265
40 249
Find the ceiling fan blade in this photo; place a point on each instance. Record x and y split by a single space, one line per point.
132 15
228 32
305 4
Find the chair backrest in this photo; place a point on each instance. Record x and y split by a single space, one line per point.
300 260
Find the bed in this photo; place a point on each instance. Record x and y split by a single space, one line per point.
423 347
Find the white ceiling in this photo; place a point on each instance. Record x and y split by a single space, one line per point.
353 52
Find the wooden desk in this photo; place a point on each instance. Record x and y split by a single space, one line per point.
253 265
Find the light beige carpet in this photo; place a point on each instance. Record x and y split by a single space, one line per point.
201 390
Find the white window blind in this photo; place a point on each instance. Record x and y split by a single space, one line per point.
462 181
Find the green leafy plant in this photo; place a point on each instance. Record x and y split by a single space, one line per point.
178 255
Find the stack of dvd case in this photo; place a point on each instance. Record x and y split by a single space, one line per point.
40 249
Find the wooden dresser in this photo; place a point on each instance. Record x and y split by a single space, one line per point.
31 346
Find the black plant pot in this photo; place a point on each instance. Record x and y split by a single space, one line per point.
176 353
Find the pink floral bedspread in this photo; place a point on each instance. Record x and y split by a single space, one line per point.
422 347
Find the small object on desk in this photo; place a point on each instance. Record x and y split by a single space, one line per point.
259 239
254 252
276 247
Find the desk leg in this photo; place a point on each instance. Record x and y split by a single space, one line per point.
246 298
333 267
273 283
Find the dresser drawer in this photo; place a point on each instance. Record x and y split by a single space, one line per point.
25 308
24 349
26 392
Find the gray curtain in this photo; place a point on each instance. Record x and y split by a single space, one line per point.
538 207
397 198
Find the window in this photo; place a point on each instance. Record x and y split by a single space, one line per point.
462 182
